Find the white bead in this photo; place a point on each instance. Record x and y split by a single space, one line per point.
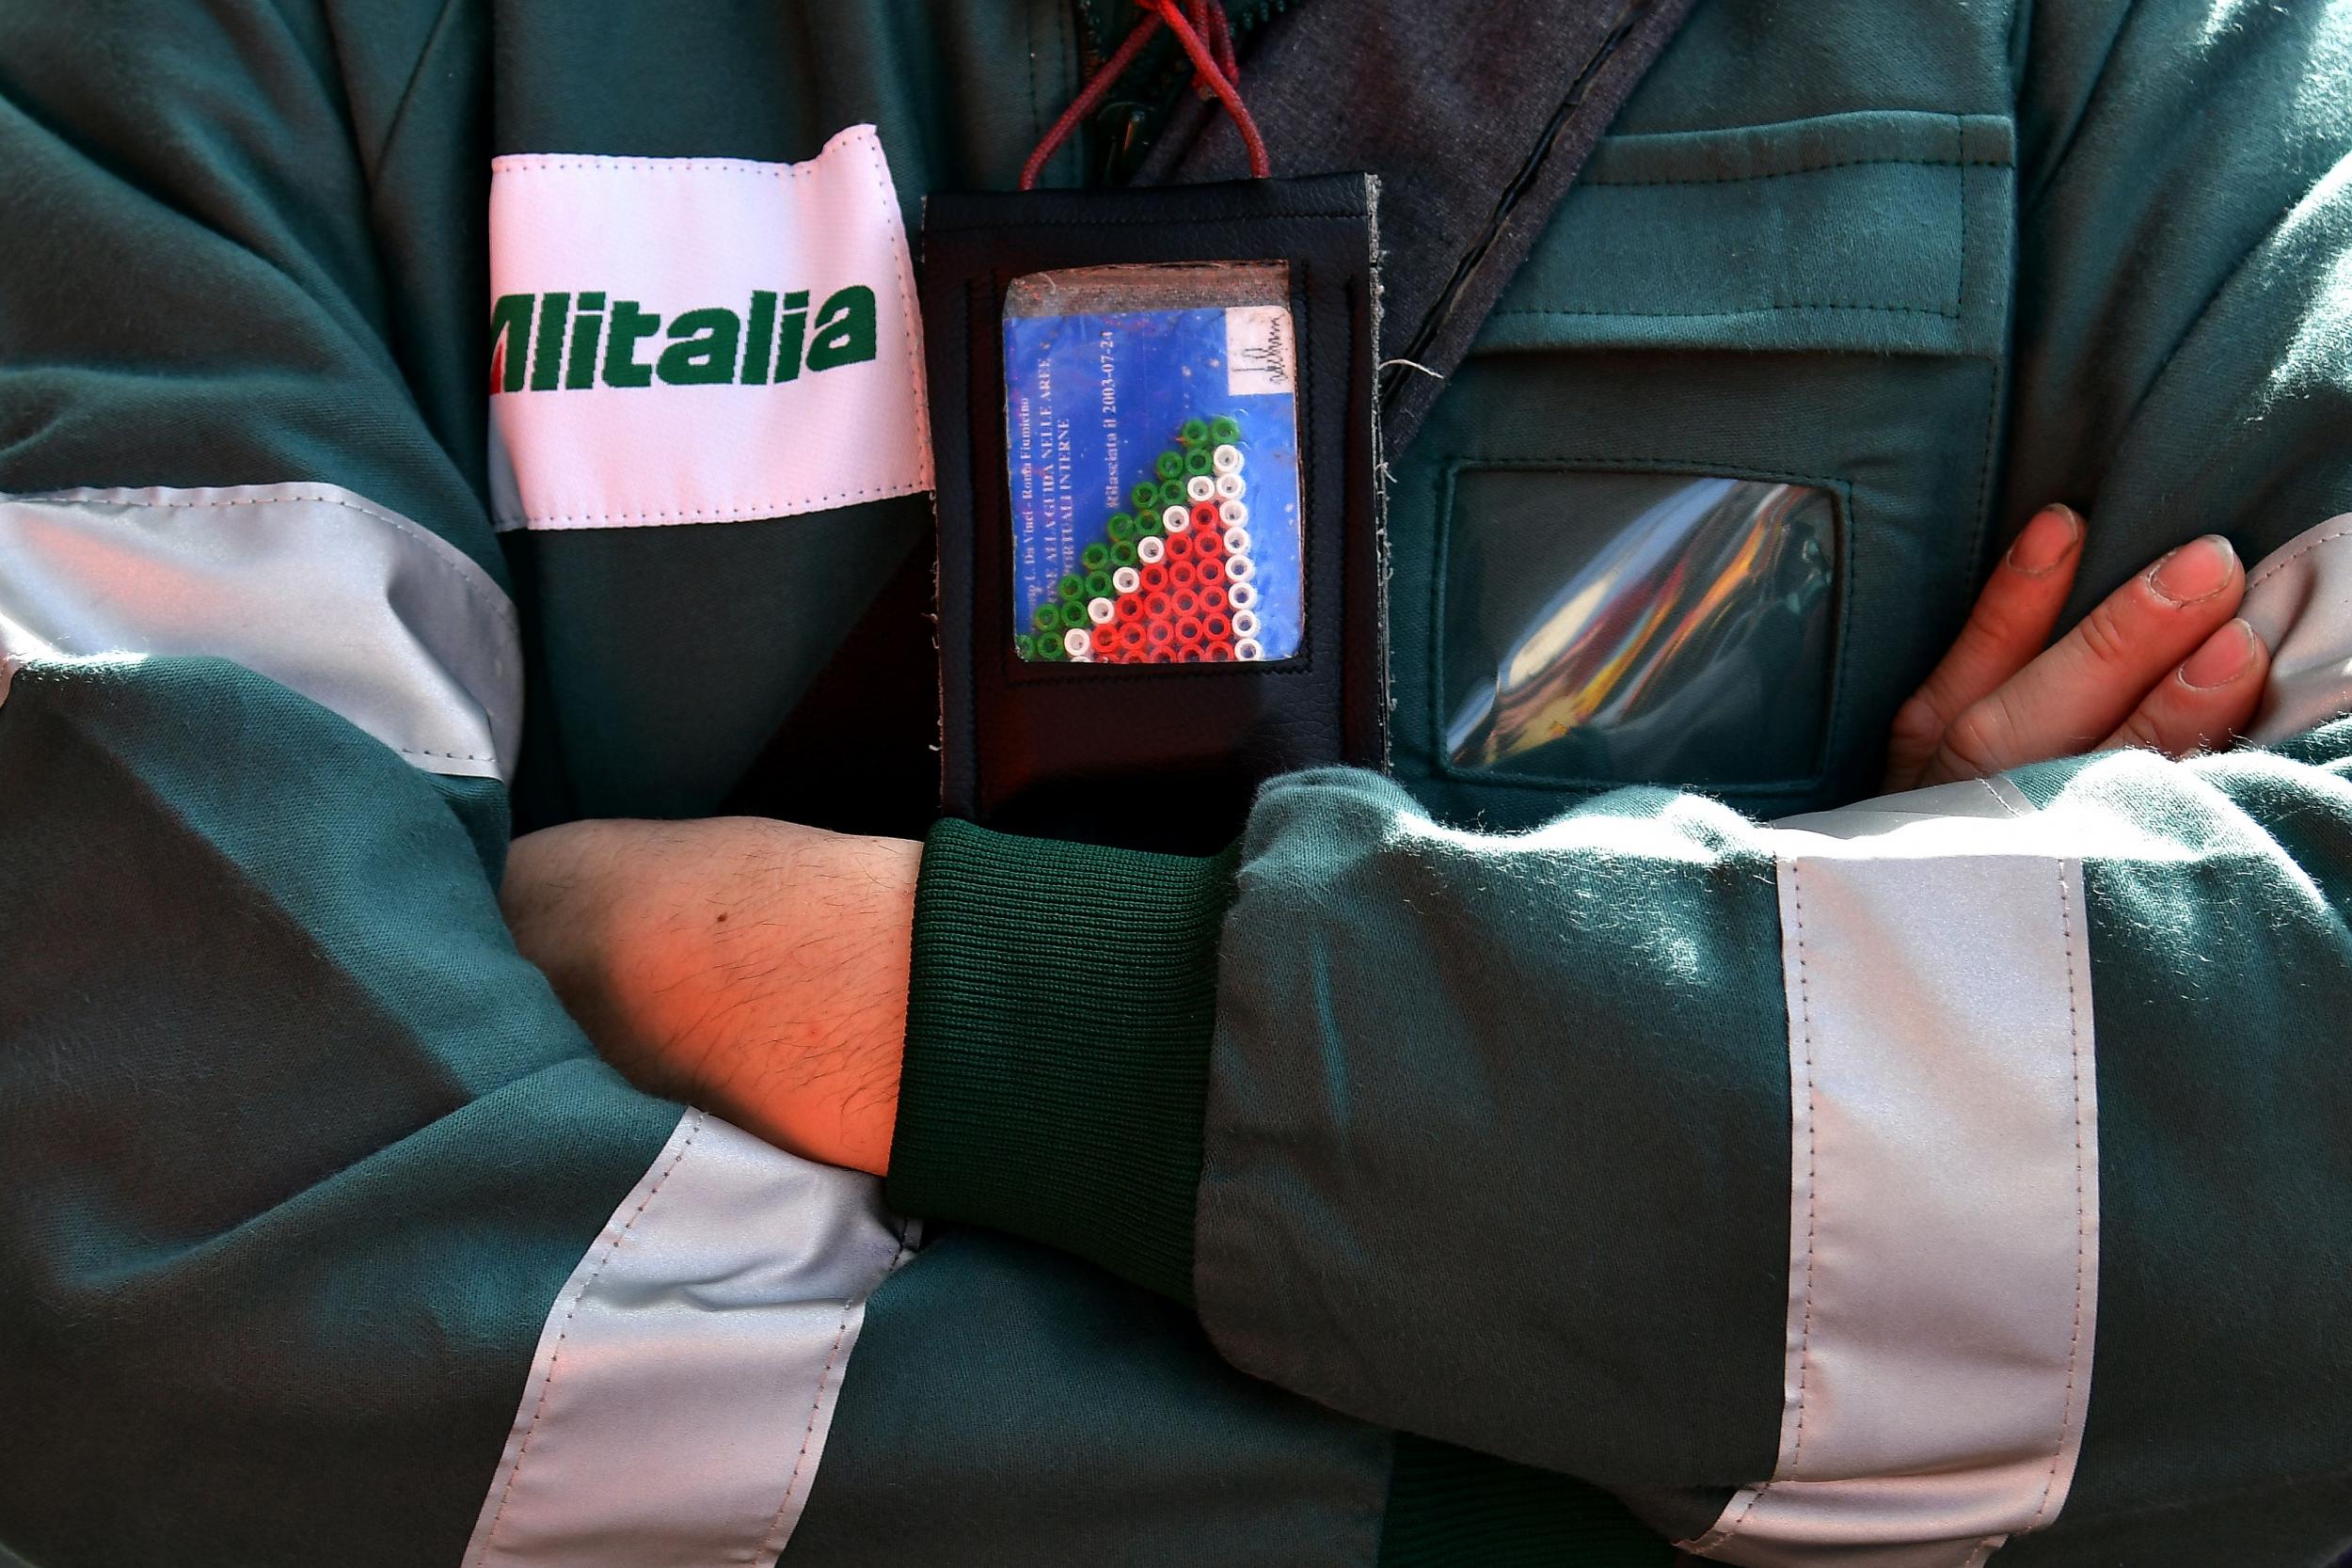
1239 594
1149 547
1248 651
1236 541
1234 513
1200 488
1127 580
1232 486
1245 622
1101 611
1226 460
1075 642
1238 568
1176 519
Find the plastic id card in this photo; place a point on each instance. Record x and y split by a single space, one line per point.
1151 446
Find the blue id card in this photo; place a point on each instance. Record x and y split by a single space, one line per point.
1151 451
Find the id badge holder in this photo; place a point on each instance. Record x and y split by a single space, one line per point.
1160 548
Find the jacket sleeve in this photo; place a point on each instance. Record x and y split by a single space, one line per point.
1956 1169
323 1235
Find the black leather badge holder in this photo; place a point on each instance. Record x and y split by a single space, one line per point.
1198 676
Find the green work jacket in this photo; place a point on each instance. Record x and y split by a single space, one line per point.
1612 1131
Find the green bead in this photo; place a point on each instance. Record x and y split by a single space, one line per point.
1226 431
1049 648
1149 527
1122 526
1197 461
1172 465
1046 617
1023 647
1144 495
1172 492
1122 553
1196 432
1095 557
1073 613
1072 587
1098 587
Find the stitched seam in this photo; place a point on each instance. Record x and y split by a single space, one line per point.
1812 1208
555 1357
540 163
910 320
1739 311
2307 547
808 1433
433 543
1810 169
1812 1190
721 513
2082 1214
2014 814
1959 281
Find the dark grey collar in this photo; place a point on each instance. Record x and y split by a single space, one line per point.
1476 115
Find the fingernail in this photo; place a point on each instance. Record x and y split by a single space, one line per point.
2224 656
2047 540
2198 570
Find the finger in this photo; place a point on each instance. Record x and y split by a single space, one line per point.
2204 704
2088 682
2012 622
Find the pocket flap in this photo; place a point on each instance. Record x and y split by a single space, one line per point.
1879 231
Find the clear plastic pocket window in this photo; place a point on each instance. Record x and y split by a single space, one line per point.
1151 451
1629 627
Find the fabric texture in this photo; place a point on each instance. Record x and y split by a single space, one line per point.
1058 1020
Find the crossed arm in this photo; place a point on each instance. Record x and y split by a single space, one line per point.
759 969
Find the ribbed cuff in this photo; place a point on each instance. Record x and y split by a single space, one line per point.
1057 1066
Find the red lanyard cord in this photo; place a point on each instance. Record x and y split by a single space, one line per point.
1212 65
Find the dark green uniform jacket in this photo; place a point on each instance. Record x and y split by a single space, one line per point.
1957 1175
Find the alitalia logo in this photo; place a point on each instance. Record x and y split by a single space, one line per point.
562 342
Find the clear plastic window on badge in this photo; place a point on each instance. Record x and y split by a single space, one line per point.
1151 441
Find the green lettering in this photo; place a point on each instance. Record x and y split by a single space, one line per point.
791 335
510 342
546 349
845 329
706 353
629 325
579 364
759 333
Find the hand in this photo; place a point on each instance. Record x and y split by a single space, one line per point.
2161 662
758 969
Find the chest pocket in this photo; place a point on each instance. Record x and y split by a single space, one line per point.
1711 492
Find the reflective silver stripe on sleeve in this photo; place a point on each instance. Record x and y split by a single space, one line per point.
1943 1205
677 1407
322 591
2298 600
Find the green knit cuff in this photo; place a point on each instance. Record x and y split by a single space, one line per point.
1057 1064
